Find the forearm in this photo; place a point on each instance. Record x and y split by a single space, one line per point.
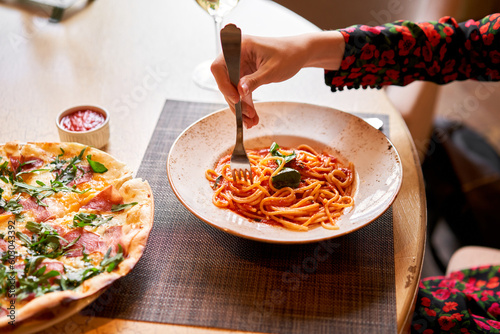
402 52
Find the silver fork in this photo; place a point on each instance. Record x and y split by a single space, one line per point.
230 37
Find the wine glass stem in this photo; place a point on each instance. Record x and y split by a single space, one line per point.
218 27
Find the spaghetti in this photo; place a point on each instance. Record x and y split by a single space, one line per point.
293 188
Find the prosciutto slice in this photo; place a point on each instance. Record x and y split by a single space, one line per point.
35 163
87 239
104 200
40 213
4 245
52 265
60 230
111 238
93 242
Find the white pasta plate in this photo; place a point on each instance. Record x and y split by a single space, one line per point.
378 168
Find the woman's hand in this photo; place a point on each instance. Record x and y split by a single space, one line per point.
265 60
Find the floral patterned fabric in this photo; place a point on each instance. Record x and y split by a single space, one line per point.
467 301
401 52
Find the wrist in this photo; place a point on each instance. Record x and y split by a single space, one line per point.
328 49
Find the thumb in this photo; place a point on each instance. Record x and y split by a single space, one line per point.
249 83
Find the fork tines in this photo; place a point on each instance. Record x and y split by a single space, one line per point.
242 174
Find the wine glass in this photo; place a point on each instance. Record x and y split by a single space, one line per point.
202 75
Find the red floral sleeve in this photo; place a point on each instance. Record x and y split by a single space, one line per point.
401 52
466 301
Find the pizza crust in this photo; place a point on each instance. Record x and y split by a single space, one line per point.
135 228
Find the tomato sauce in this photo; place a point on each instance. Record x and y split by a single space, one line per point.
82 120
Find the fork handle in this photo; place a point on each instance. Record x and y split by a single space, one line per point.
239 128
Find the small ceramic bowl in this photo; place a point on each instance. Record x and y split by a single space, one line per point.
97 137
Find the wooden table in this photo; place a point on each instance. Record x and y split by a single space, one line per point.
130 56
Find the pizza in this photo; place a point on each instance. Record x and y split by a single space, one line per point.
72 220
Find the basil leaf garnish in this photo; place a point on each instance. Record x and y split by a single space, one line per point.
275 153
217 182
287 177
96 166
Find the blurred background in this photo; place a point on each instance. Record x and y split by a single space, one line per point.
331 14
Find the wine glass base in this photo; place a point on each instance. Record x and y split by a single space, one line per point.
203 77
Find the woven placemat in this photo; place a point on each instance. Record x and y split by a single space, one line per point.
194 274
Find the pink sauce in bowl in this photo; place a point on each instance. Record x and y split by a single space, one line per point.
83 120
85 124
